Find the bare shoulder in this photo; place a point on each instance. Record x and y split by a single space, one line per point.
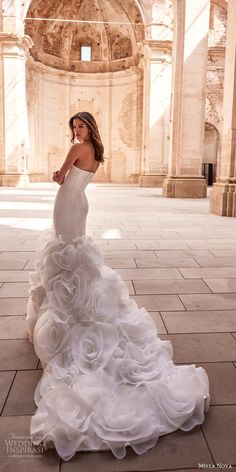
80 149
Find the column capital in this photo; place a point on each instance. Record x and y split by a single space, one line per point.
13 43
156 50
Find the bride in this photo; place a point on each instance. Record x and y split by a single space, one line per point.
109 381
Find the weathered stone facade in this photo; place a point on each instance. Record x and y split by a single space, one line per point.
130 85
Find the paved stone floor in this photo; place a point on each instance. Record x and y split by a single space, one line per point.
179 262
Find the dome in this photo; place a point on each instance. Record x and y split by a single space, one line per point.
110 29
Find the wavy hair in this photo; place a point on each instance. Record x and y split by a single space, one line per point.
90 121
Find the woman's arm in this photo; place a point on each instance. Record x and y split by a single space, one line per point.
71 157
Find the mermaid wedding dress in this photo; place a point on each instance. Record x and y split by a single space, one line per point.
109 381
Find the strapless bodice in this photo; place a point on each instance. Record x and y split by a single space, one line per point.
78 177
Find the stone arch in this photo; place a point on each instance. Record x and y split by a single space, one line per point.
114 34
139 4
212 152
212 116
121 48
221 3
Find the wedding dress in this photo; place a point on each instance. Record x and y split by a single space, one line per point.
109 381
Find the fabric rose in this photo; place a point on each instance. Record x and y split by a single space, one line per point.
67 294
62 417
50 335
57 255
65 257
137 366
138 327
91 258
107 299
102 303
92 386
92 346
126 418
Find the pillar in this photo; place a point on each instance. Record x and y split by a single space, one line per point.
223 194
156 65
189 53
14 139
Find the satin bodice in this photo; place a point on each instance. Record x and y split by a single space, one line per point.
77 177
71 204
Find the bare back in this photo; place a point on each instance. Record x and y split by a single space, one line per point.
86 157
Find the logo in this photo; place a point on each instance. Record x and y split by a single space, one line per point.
22 446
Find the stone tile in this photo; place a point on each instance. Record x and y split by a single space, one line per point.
167 262
209 273
13 306
200 321
221 285
130 287
117 263
6 379
172 244
220 432
170 286
125 254
222 379
162 253
209 301
145 235
112 234
148 274
17 428
196 243
223 252
14 289
9 245
21 398
212 261
204 244
17 355
158 322
146 244
30 264
167 454
221 245
120 244
159 302
169 235
14 276
13 327
13 260
221 235
192 348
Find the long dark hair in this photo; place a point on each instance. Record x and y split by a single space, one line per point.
90 121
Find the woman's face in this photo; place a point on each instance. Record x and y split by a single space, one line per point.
80 129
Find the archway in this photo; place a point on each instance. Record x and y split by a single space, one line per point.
108 83
211 153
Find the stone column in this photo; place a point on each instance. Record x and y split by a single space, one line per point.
14 50
190 49
223 194
156 65
156 103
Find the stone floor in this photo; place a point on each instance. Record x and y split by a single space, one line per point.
179 262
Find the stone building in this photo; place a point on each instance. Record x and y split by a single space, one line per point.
151 71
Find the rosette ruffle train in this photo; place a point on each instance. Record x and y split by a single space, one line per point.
109 381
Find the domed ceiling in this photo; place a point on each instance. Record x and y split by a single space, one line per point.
111 27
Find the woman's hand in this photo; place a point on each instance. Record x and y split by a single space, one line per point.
57 178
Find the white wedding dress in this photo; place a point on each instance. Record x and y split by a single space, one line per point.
109 381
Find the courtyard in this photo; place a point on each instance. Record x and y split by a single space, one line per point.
179 262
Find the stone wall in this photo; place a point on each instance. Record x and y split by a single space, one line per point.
115 99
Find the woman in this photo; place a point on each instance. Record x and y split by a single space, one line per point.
108 381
